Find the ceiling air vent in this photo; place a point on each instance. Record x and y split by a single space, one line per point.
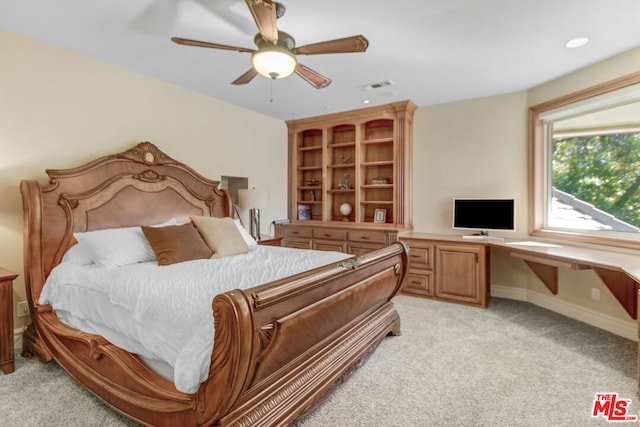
379 85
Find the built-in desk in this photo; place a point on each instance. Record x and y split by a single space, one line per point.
620 272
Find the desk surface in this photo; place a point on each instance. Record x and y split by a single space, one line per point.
611 260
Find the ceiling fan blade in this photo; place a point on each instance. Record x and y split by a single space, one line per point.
246 77
346 45
314 78
264 13
198 43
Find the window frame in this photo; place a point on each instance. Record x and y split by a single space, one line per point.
539 169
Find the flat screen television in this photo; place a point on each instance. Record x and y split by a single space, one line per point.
484 214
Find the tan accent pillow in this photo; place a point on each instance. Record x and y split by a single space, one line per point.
176 243
221 235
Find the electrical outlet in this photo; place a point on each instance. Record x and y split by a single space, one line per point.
595 294
23 309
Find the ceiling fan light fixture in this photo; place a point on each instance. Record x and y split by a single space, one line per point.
274 63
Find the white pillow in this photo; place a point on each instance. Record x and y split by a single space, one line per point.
250 241
114 247
77 254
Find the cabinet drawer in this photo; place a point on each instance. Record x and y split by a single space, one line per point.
329 245
297 243
419 284
421 258
359 249
297 232
368 236
319 233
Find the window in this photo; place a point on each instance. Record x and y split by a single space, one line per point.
585 165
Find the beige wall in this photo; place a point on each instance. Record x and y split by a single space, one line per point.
478 148
59 109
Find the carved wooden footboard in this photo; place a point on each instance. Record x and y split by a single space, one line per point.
280 349
308 334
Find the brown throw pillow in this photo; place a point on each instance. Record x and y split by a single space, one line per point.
221 235
177 243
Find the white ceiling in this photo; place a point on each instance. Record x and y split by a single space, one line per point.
434 51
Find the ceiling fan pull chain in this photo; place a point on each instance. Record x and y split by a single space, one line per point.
271 97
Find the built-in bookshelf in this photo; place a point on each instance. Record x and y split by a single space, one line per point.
352 169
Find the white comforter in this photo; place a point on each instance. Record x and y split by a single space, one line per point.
164 313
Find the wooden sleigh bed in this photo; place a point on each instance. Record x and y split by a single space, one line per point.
280 348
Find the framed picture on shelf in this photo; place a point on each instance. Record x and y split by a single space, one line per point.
304 212
380 216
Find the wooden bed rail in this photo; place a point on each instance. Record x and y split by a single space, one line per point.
298 330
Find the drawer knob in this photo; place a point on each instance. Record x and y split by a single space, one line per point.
327 235
365 238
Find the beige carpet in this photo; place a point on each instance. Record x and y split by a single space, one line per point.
513 364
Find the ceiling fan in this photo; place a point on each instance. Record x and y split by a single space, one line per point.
275 56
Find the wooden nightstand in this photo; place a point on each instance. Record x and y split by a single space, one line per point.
6 320
270 241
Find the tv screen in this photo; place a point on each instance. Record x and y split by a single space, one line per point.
484 214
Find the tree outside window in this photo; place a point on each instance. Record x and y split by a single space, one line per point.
600 170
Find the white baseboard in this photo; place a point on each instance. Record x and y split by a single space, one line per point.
624 328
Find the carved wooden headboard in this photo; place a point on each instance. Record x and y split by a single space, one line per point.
141 186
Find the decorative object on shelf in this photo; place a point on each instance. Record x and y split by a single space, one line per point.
346 209
380 216
344 159
250 198
304 212
346 185
380 180
313 183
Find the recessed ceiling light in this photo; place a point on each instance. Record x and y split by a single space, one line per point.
577 42
365 101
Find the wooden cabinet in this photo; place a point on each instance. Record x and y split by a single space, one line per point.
6 321
460 272
448 268
270 241
293 236
327 237
420 276
351 172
